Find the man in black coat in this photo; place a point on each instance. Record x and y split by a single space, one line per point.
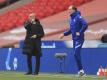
32 43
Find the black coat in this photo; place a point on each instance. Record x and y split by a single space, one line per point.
32 46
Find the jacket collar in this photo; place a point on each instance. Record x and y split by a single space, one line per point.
73 15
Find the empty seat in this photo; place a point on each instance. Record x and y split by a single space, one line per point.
43 8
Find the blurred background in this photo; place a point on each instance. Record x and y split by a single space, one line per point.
54 18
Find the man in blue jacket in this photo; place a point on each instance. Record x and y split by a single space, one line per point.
77 28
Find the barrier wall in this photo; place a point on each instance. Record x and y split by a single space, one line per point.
12 59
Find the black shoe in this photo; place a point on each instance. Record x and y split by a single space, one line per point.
35 73
28 73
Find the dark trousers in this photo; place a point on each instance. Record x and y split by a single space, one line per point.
77 44
29 63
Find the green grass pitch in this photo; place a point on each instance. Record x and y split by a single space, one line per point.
6 75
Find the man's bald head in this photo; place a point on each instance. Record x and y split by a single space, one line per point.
32 16
72 9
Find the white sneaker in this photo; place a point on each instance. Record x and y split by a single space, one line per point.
81 73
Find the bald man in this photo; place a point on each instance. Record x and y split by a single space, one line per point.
32 43
77 28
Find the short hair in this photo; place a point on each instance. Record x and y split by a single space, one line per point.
72 7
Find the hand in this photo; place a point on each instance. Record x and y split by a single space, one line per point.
34 36
61 36
77 33
32 20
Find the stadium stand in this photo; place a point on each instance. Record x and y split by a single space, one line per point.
42 8
54 25
2 3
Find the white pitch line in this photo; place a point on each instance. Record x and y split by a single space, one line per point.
66 76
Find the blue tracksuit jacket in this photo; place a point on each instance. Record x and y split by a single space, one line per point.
77 24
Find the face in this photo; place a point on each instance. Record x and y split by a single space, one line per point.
70 10
32 17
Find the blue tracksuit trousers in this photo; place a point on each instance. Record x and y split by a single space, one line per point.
77 45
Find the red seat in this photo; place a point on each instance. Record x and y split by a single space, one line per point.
42 8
